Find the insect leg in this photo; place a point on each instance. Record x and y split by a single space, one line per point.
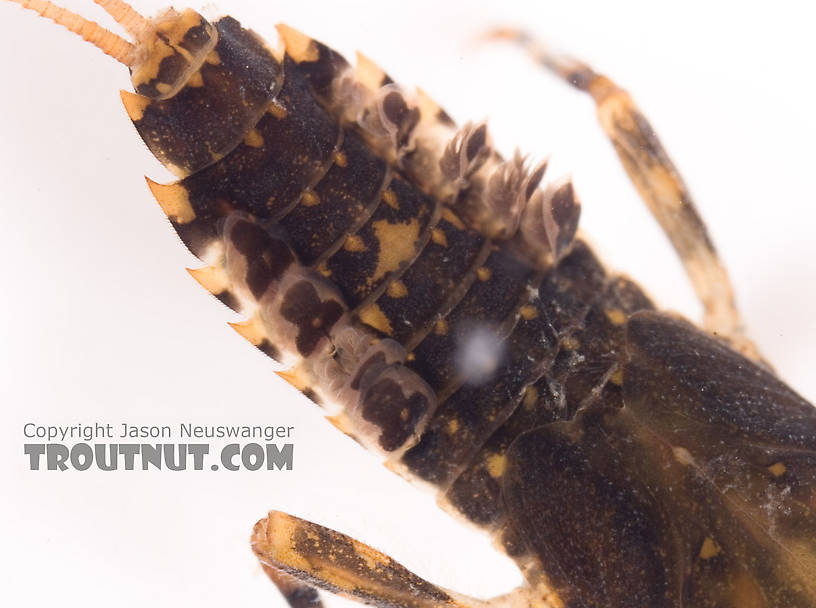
327 559
659 183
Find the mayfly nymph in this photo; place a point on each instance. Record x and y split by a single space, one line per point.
436 298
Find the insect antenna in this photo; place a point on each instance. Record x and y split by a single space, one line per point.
125 15
105 40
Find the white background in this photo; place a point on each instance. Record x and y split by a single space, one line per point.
100 322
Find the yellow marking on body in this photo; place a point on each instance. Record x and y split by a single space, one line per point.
530 398
277 110
616 316
441 327
452 427
148 69
213 58
174 201
294 377
438 237
324 270
212 278
484 273
176 28
450 217
309 198
354 244
570 343
683 456
390 199
135 104
254 139
397 245
171 30
373 316
299 46
528 312
196 80
340 159
252 330
397 289
368 73
617 377
777 469
496 465
342 423
709 549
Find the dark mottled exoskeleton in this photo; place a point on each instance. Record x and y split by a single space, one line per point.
439 304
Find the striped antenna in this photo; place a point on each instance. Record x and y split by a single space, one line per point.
126 16
106 41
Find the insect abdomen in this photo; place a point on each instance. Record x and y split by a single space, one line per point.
352 264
